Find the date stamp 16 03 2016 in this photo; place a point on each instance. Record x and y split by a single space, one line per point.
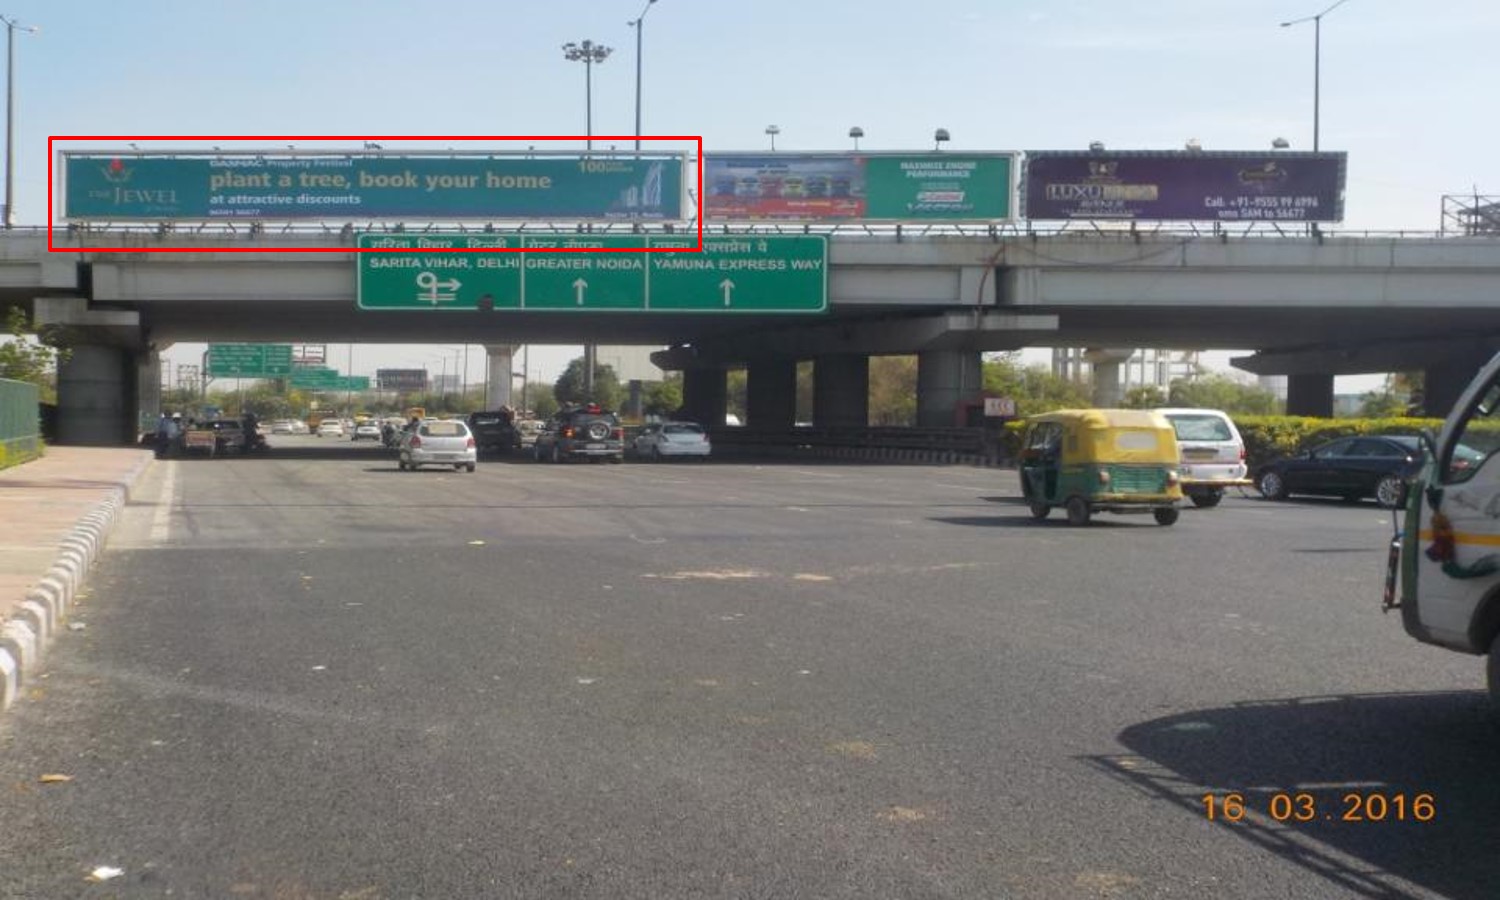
1306 806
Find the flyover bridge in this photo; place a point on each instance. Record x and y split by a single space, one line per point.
1308 306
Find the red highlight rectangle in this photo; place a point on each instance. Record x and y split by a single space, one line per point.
51 156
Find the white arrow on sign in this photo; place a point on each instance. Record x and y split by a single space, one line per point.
437 291
579 287
727 287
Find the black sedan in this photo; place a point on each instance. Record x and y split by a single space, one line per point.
1352 468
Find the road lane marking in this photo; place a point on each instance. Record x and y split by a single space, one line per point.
161 521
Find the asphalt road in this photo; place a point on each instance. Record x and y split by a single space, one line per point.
311 676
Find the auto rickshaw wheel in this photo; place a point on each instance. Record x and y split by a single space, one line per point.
1165 515
1078 511
1040 511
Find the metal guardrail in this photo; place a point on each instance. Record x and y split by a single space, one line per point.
20 422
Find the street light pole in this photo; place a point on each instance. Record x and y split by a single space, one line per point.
639 24
1317 21
587 53
11 27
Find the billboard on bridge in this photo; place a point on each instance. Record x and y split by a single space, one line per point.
190 185
858 187
1271 186
404 381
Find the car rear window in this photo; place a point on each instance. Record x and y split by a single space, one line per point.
444 429
682 429
486 420
1201 428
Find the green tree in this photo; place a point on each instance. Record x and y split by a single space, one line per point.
736 392
663 398
893 390
1381 404
1220 391
1145 396
571 385
33 360
1034 388
540 398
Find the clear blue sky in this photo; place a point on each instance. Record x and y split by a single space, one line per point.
1406 87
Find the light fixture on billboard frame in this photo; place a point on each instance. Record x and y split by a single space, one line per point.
1193 146
1281 143
1096 146
939 138
856 132
772 131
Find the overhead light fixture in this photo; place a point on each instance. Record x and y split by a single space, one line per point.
939 138
1193 146
773 130
1280 143
1096 146
856 132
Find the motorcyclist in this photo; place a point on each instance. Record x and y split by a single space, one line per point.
249 424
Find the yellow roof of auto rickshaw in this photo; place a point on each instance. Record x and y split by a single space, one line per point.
1106 418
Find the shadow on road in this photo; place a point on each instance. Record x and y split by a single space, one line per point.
1343 752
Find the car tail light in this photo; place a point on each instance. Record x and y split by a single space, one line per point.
567 432
470 444
1242 454
415 442
619 434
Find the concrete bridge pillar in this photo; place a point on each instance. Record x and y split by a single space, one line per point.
1107 366
1442 384
1309 395
96 397
147 389
945 380
705 395
841 390
771 394
502 362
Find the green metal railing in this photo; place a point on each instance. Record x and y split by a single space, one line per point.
20 422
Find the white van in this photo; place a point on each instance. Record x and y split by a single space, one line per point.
1213 453
1445 562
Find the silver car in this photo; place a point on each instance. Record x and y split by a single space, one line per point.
673 439
438 442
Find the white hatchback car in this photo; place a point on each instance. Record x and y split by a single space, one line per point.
1212 453
439 442
672 439
331 428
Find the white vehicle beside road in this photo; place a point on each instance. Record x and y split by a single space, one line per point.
438 442
1212 453
330 428
671 440
1443 571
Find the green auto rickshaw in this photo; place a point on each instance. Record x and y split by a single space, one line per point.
1101 460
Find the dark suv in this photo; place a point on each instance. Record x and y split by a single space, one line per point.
586 432
494 432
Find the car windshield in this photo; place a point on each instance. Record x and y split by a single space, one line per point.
1200 427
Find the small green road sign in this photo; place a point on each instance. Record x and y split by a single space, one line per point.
249 360
732 274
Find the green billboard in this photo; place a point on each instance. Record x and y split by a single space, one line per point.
249 360
595 273
195 186
883 187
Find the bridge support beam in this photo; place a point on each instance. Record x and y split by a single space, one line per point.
946 379
501 369
96 397
1107 366
1442 384
1309 395
705 395
841 391
771 394
147 389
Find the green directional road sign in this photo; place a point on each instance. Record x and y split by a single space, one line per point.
733 273
249 360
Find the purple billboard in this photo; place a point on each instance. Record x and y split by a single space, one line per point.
1178 186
